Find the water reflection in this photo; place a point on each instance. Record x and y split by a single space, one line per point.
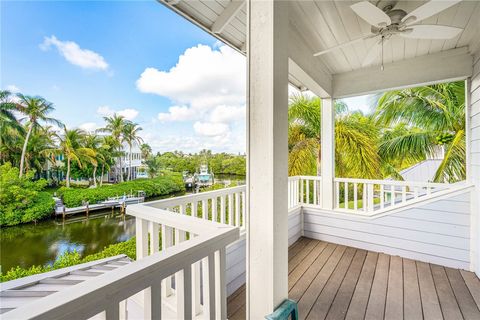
40 244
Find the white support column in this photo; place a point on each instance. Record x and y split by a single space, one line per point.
267 224
328 153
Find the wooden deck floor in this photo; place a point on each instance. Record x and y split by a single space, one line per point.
332 281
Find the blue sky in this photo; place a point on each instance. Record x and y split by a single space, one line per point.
136 58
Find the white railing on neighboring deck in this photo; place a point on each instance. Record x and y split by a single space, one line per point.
226 206
377 196
186 243
304 190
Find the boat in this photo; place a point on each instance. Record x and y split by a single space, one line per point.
204 178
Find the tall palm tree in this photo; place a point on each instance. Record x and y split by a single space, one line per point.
130 136
433 117
146 150
35 109
94 142
72 146
115 126
355 144
10 127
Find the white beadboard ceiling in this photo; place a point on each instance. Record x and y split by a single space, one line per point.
326 23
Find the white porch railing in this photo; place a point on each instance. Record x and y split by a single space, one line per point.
226 206
144 289
304 190
377 196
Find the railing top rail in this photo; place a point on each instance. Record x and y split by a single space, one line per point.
178 221
396 183
305 177
89 298
195 197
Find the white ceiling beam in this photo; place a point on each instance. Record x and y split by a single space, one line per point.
227 15
307 69
450 65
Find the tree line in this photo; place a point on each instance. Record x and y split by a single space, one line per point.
29 141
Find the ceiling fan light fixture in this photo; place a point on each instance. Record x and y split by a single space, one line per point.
410 20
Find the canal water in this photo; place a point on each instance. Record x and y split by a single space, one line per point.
42 243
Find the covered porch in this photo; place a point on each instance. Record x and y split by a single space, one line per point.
402 249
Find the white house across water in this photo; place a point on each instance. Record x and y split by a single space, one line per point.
410 251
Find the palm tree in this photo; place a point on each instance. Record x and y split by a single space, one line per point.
115 126
146 150
10 127
71 145
94 142
130 136
432 117
355 144
35 109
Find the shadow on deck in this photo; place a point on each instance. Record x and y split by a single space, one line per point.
332 281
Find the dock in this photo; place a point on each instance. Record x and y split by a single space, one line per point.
114 202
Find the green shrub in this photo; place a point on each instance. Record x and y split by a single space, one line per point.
22 199
72 258
168 184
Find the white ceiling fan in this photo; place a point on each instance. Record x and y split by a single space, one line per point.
386 21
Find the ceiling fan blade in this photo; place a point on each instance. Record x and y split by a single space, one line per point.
372 14
428 9
345 44
433 32
373 53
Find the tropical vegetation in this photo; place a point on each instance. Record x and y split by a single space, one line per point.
406 127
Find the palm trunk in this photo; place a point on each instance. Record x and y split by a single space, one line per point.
101 178
94 176
68 173
130 162
24 150
121 169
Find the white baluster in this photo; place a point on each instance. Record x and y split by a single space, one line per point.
237 209
392 195
382 196
209 287
244 208
214 209
205 209
345 195
166 243
415 192
196 286
370 197
301 191
307 191
154 230
337 194
220 287
315 193
355 196
230 209
404 194
364 197
194 209
222 209
156 302
184 294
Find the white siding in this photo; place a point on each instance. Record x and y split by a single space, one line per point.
236 260
474 161
438 232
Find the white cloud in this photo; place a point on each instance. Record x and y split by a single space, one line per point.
203 77
211 129
72 52
12 88
89 126
228 114
178 113
207 87
127 113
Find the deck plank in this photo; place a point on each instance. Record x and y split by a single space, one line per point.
342 300
306 279
359 302
325 299
236 301
411 292
448 303
307 300
297 247
428 294
298 258
378 294
394 303
465 301
473 285
305 265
